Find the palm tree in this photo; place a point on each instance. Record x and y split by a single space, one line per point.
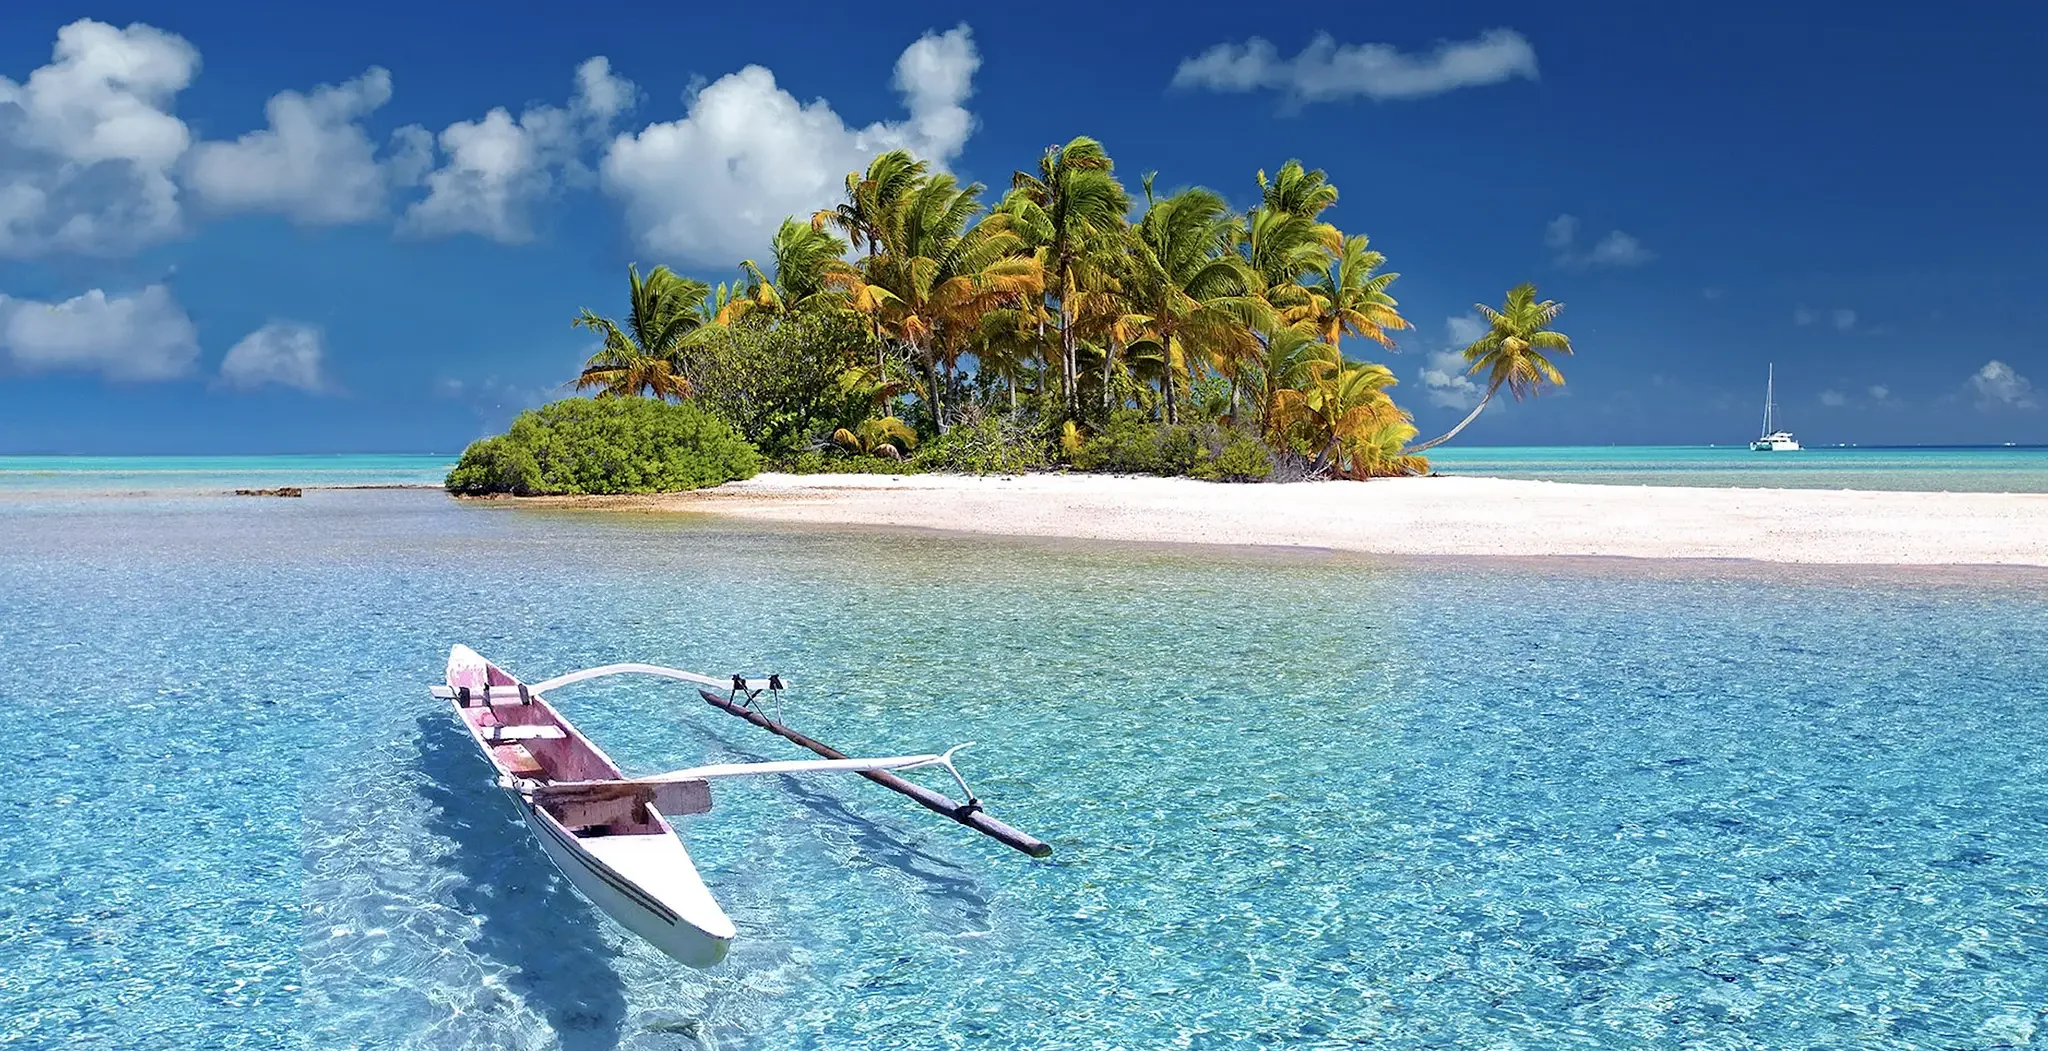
1073 201
872 198
1190 295
1347 296
1284 240
933 276
645 355
802 255
1283 364
1007 342
1297 191
886 437
1514 352
1344 415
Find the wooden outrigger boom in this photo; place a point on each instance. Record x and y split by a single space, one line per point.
968 813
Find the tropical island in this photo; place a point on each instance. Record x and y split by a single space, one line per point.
915 327
1075 361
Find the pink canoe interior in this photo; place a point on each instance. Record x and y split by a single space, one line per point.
569 757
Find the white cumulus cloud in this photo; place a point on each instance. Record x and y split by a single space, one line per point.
284 353
314 163
1444 378
1997 385
1326 70
711 187
1842 318
1879 392
88 142
1561 232
1833 399
145 336
494 169
1617 248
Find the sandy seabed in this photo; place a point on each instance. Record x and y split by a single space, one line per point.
1410 516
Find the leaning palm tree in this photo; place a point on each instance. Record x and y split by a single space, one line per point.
1072 203
645 355
1349 296
1515 352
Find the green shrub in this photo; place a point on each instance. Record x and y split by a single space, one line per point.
835 462
495 465
606 445
1243 458
985 443
1132 444
789 381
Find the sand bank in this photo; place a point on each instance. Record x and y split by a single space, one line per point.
1414 516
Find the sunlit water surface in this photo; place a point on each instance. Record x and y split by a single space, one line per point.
1299 801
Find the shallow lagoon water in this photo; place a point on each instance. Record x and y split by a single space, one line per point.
1299 800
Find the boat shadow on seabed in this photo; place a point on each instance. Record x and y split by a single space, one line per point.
876 842
531 922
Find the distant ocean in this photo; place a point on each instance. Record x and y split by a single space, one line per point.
171 473
1983 469
1996 469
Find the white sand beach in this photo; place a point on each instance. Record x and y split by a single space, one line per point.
1416 516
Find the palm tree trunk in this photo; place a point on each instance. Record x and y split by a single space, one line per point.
1323 459
931 381
1069 364
1453 432
1108 359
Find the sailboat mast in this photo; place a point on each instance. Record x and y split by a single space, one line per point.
1770 380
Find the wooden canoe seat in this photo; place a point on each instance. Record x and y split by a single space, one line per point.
518 761
500 734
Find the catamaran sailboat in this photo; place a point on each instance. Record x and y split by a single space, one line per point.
606 831
1768 440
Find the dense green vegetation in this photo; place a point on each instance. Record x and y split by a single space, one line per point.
606 445
918 326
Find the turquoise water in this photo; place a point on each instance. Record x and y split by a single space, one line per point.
172 473
1298 801
1979 469
1986 469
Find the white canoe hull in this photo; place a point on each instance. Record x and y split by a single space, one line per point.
695 941
630 864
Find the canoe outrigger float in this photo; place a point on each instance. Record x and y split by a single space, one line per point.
606 831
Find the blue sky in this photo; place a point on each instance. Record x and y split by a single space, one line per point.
273 228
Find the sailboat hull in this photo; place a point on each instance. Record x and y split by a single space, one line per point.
1768 440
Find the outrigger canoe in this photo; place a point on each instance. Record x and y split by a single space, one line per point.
607 832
